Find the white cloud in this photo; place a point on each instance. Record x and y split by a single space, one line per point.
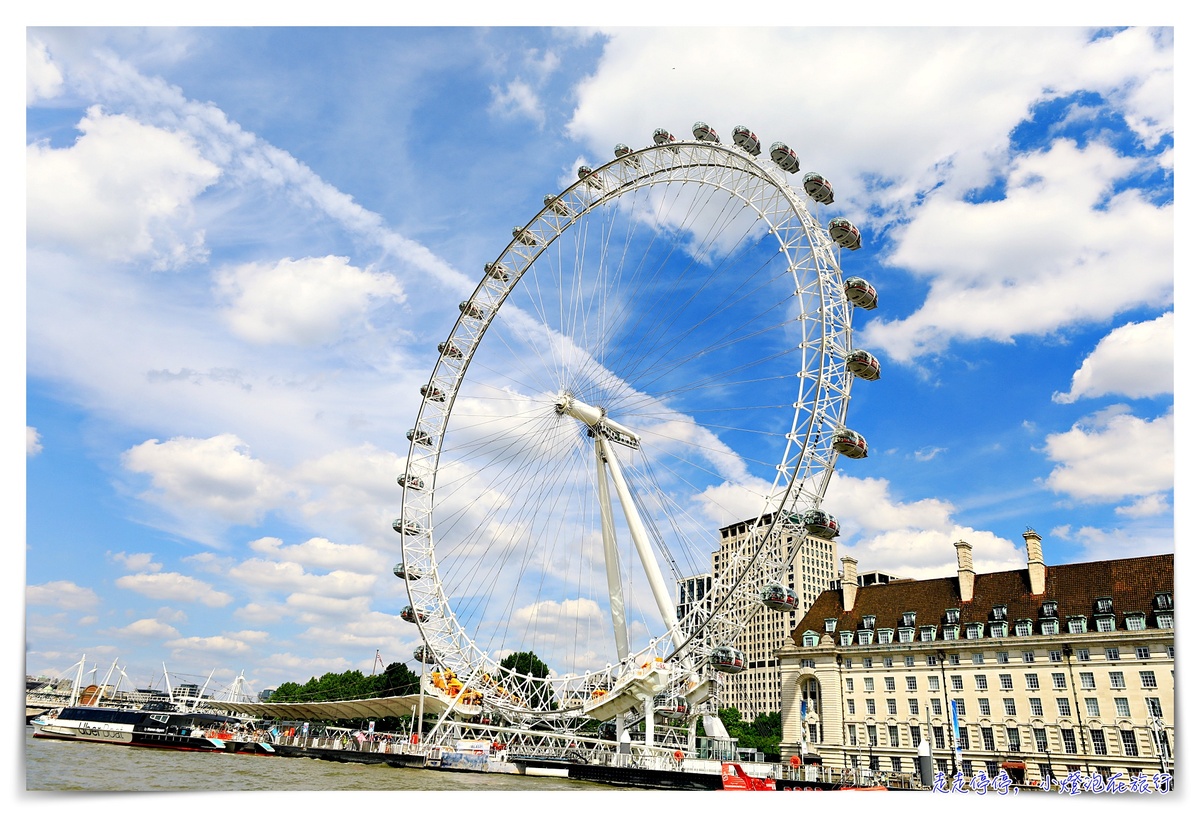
307 301
174 586
148 629
215 475
124 190
289 577
1135 360
143 562
517 98
33 442
64 595
1145 507
320 552
43 79
1055 251
1113 455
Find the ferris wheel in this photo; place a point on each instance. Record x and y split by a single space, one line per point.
663 350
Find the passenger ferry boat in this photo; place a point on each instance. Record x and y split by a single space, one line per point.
149 728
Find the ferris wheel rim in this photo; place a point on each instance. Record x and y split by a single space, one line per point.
455 359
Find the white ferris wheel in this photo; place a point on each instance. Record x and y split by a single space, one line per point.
664 349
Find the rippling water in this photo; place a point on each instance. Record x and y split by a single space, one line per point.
60 766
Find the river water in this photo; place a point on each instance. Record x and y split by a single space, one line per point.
69 766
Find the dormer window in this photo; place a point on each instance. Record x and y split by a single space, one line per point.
1000 612
1049 626
868 622
928 633
906 635
1077 624
1104 605
831 625
1049 609
885 636
1135 621
1164 601
811 639
1024 627
909 619
847 638
998 629
952 615
974 631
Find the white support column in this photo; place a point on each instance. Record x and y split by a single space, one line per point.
662 596
612 566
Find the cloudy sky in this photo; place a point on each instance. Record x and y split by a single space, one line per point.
243 245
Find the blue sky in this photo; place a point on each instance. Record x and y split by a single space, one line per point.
244 243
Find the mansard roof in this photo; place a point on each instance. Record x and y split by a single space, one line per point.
1131 584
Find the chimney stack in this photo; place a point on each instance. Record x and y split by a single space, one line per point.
1037 565
966 572
849 582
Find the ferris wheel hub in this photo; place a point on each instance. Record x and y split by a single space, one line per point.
596 419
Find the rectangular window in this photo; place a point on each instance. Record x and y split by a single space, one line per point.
849 684
870 706
906 635
847 638
1112 653
1153 708
981 682
867 663
939 737
1143 653
936 703
1068 739
976 658
885 637
914 735
1035 707
909 661
1122 705
1014 739
1001 658
1064 707
1116 680
853 736
910 683
1055 655
933 683
1135 621
887 662
1105 624
1006 681
1024 628
872 736
1010 707
962 739
891 706
894 735
1129 742
914 708
1087 680
985 707
1099 747
954 658
869 684
1083 654
961 703
1040 740
1092 706
849 707
1031 680
989 739
1148 680
1077 624
956 682
889 684
1049 626
1059 679
931 660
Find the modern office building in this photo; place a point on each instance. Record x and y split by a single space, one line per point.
1039 671
756 690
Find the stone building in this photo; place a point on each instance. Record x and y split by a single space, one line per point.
1043 670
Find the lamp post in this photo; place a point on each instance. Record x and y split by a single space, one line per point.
953 742
1068 651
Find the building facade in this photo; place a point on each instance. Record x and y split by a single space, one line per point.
1039 672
